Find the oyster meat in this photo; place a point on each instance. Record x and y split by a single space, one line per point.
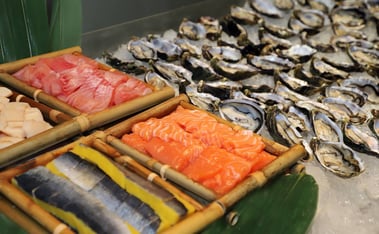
205 101
325 128
337 158
142 49
245 113
361 139
351 94
192 30
271 63
266 8
226 53
200 69
298 53
233 71
243 15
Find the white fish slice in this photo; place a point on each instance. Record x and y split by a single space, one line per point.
6 141
33 113
32 127
5 92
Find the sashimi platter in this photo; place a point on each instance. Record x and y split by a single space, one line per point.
163 179
174 131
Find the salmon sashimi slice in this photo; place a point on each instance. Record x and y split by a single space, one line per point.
264 158
190 120
218 169
166 130
135 141
213 133
171 153
242 139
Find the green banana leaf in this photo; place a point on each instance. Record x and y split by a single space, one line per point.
287 204
26 30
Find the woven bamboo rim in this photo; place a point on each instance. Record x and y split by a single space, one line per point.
48 221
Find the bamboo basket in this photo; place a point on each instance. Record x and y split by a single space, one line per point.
108 142
113 112
34 144
47 220
72 121
218 205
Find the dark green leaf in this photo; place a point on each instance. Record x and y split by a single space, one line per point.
23 29
285 205
66 24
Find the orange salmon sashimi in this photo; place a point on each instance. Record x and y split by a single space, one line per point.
264 158
165 130
242 139
135 141
171 153
218 169
184 117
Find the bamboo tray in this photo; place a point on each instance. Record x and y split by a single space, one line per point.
47 220
33 144
218 205
204 214
78 122
114 112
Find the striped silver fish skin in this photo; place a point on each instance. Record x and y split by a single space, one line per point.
43 185
90 178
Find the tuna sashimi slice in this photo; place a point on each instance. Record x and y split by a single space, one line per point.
171 153
90 100
129 90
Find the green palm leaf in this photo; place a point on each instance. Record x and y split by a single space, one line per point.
66 24
25 29
285 205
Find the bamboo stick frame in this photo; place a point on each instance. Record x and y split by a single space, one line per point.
287 157
47 220
72 121
7 69
19 217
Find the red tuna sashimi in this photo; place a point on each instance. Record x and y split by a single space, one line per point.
90 99
32 74
115 78
51 84
67 61
135 141
218 169
171 153
129 90
264 159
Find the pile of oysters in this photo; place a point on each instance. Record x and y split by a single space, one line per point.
304 71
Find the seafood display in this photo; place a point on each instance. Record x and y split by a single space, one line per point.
82 187
78 81
302 72
197 145
18 120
